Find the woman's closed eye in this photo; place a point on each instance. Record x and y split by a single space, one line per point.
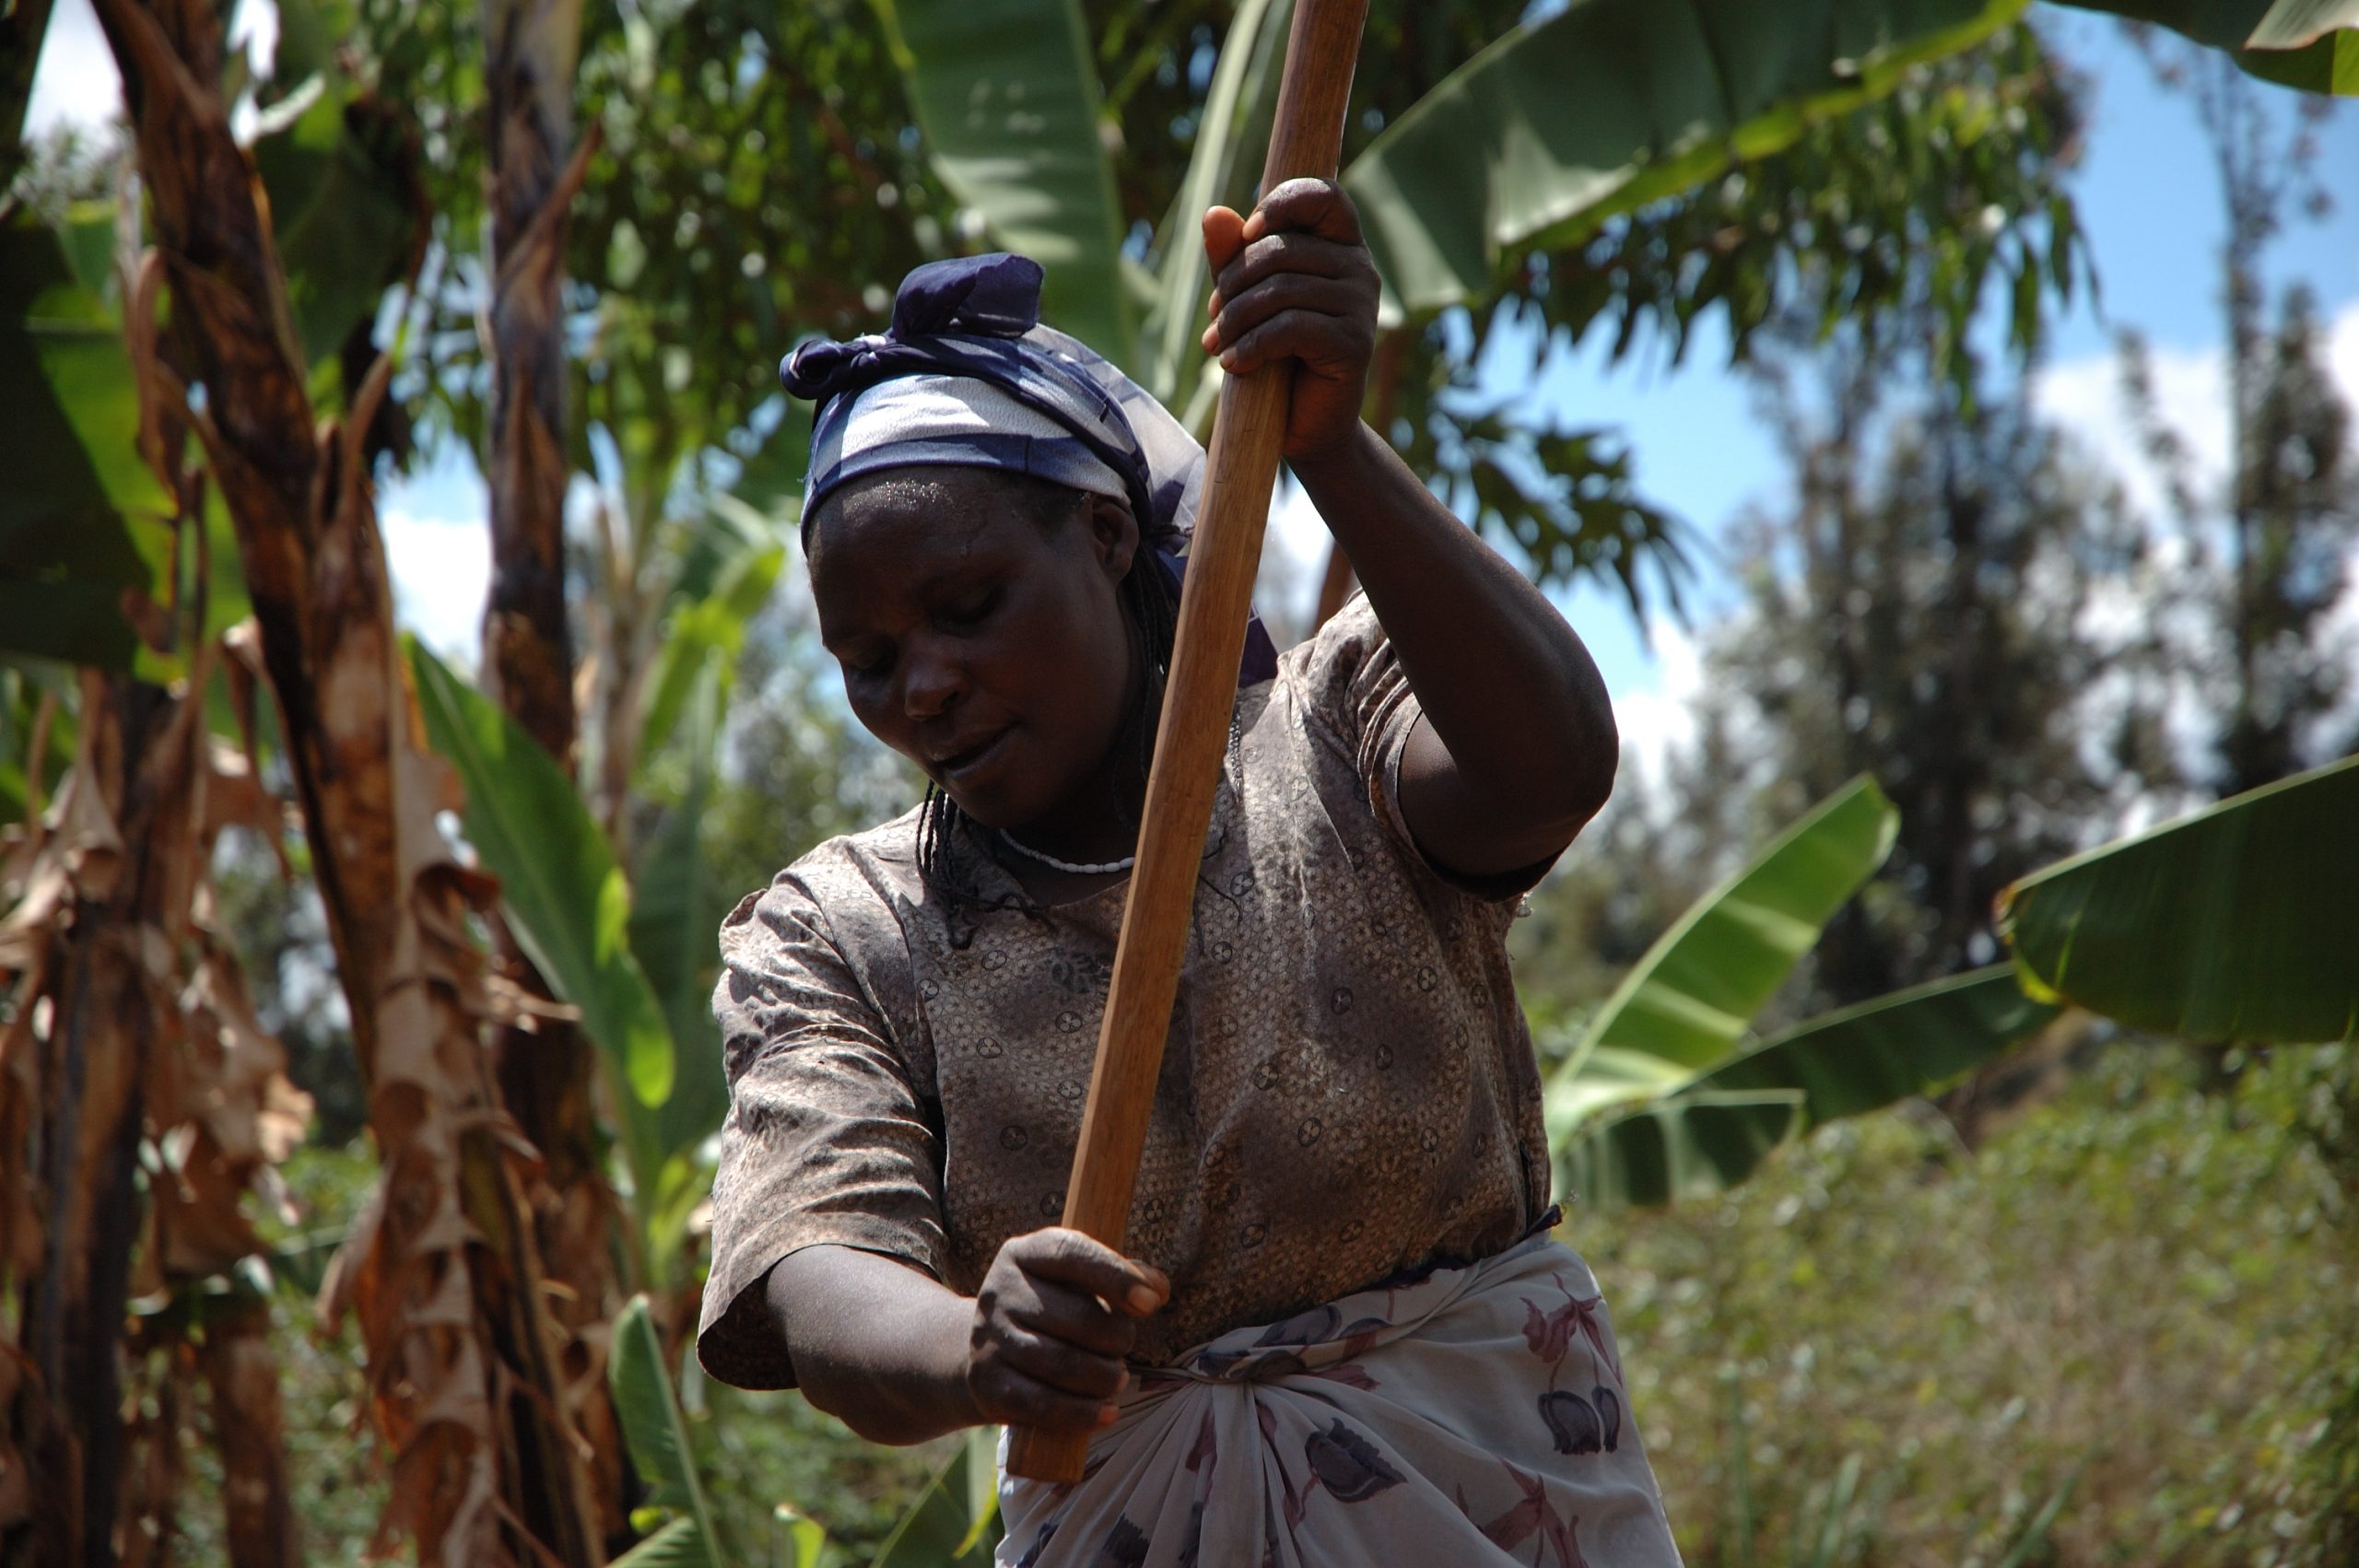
866 664
969 611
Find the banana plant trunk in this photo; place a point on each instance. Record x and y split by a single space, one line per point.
21 32
133 1030
78 1063
548 1073
442 1271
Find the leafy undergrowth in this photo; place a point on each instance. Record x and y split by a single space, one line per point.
756 1451
2147 1287
2142 1289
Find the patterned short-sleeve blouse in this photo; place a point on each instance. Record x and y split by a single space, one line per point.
1347 1093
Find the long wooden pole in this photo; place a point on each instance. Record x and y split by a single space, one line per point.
1248 433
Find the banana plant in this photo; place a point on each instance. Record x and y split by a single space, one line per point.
951 1523
1663 1094
84 555
81 534
675 1519
2310 44
1564 123
2235 922
602 944
1698 1133
954 1520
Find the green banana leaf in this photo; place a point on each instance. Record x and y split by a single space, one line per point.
566 899
1862 1058
340 225
737 559
674 919
2238 923
952 1522
1008 98
1230 140
1694 1135
1609 104
1688 1148
1611 1078
1691 996
2289 43
649 1416
806 1539
2296 24
80 512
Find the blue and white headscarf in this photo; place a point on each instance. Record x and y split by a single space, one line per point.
966 376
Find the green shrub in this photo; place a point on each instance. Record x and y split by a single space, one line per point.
2145 1289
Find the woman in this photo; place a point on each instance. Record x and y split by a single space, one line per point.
1344 1336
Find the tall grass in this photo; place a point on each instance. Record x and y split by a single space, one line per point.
2134 1310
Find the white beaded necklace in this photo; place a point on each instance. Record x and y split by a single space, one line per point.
1081 869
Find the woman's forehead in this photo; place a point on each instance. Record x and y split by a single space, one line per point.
918 503
908 527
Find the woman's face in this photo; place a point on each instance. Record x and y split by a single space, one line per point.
975 619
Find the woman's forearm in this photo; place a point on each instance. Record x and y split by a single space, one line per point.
875 1343
1510 695
900 1358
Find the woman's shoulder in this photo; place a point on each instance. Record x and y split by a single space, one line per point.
843 889
1324 671
829 922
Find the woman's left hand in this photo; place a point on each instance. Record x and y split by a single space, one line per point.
1294 281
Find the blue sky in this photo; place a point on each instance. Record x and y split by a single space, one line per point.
2149 204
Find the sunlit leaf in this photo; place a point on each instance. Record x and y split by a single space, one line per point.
942 1527
708 632
2319 65
2236 923
2292 24
1695 990
1864 1057
1008 98
1230 139
649 1416
808 1539
1606 105
566 899
675 918
1689 1147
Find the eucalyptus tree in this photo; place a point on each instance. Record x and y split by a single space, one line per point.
2265 543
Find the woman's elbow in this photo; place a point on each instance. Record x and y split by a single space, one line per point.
1587 779
855 1403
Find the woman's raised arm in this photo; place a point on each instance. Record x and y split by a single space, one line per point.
1519 747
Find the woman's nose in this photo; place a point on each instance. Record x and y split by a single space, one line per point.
931 682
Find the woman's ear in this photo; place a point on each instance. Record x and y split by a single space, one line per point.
1113 535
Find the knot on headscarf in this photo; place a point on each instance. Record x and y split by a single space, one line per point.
993 296
1046 405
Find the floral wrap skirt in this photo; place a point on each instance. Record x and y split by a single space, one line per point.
1475 1416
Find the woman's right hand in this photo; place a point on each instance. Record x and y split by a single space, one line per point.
1057 1313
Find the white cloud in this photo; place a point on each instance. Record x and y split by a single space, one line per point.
441 572
2191 394
2190 388
76 81
2164 596
1294 561
2342 350
1659 720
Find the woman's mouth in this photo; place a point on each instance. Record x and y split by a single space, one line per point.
964 764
